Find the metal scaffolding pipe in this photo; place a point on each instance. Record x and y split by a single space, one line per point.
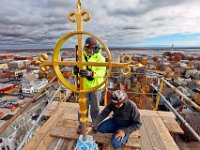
178 115
24 107
38 119
137 93
181 94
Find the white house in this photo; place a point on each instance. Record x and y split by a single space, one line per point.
193 73
182 81
7 139
39 84
31 84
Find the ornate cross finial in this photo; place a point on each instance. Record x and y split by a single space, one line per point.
78 18
78 5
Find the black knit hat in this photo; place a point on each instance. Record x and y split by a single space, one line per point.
91 42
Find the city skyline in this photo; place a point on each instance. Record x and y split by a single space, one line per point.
129 23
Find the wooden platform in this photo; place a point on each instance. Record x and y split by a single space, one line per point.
60 131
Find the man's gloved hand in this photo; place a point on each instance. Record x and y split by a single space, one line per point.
91 129
94 129
86 73
76 70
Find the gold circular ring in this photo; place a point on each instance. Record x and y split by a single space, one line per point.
55 59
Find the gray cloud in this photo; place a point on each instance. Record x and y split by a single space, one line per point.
44 22
130 28
139 7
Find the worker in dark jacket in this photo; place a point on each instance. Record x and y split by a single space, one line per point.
125 120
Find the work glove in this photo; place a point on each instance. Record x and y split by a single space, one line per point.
91 129
76 70
86 73
94 129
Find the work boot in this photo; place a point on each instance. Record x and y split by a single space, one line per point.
79 130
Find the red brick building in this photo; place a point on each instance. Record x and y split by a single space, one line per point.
23 58
3 57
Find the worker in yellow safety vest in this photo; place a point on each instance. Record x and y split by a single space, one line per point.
92 76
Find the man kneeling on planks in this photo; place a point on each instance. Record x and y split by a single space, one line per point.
125 119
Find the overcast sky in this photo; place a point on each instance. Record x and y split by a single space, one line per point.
41 23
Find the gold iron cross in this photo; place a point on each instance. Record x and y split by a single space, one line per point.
79 17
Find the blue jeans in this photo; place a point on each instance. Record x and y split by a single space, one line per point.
111 126
93 99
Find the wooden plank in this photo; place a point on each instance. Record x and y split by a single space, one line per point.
144 139
56 143
109 147
71 113
71 145
153 133
136 134
55 105
133 141
70 133
59 125
148 113
39 136
58 105
156 113
51 109
168 118
172 125
48 141
67 129
164 114
165 136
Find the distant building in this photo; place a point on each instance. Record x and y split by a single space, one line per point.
116 58
182 81
150 66
6 87
7 139
3 57
3 66
31 83
19 64
184 91
23 58
194 74
153 79
13 73
184 65
12 136
16 65
68 59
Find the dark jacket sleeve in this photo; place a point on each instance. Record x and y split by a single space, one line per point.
135 121
105 112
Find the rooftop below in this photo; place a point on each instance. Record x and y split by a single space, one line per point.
155 132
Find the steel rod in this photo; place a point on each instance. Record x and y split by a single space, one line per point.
38 119
24 108
178 115
181 94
